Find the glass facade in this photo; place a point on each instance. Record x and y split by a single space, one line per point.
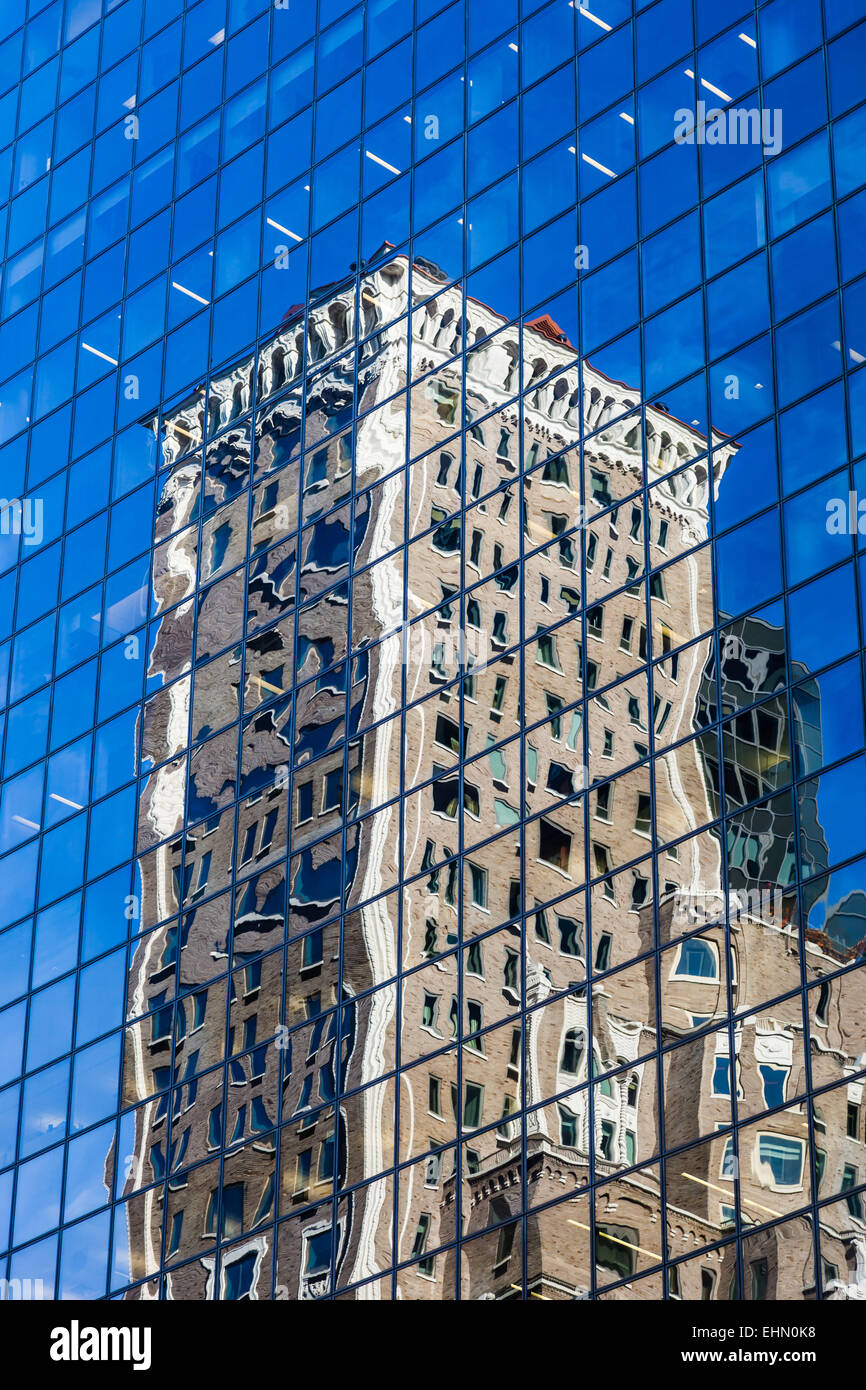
432 835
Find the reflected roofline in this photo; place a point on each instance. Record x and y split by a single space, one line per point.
544 325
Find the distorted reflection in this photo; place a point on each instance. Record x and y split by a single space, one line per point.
536 939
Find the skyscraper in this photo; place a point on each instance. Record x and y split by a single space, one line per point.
432 861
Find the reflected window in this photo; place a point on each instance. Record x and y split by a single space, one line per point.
854 1200
602 951
697 960
238 1277
505 1244
554 845
318 1259
433 1168
603 801
760 1279
567 1128
616 1250
774 1082
472 1105
722 1077
419 1245
176 1229
572 1052
429 1010
474 1022
479 887
312 950
546 654
434 1095
232 1210
783 1158
605 1143
569 936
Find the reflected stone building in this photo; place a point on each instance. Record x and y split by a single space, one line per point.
464 953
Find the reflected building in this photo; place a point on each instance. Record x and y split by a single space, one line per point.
433 720
469 960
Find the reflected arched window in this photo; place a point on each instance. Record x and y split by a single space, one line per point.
698 959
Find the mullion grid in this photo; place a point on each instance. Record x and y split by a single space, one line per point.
523 831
